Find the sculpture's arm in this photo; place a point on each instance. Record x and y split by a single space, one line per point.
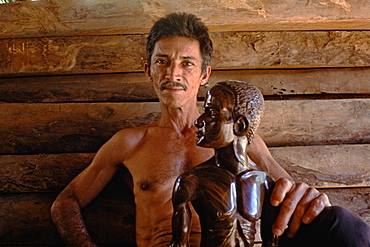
181 219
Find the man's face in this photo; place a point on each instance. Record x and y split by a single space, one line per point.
175 71
215 125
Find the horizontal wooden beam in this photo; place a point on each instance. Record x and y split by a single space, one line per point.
124 87
58 18
315 122
319 166
25 218
327 165
233 50
84 127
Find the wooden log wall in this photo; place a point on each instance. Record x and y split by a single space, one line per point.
71 75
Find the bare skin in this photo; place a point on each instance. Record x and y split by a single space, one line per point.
157 154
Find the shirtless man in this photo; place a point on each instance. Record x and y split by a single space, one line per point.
179 51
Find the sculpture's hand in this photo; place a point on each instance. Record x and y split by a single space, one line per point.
299 204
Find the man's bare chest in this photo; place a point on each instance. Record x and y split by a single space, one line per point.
159 160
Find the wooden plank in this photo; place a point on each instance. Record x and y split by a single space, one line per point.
319 166
326 166
35 128
84 127
42 172
315 122
125 87
45 18
355 200
233 50
26 221
110 218
86 54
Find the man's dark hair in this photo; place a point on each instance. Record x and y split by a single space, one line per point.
185 25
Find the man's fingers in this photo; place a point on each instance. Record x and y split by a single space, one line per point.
287 207
316 206
302 208
298 203
282 187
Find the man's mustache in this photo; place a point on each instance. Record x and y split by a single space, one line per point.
172 84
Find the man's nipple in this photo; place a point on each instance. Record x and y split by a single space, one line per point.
145 186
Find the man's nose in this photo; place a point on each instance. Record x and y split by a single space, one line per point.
173 72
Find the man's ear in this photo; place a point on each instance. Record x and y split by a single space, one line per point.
206 76
241 125
147 72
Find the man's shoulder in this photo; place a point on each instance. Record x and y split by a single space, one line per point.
130 137
131 134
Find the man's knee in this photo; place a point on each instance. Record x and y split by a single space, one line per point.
335 226
345 228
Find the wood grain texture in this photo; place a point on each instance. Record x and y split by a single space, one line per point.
355 200
46 18
313 122
26 221
50 128
319 166
323 166
40 173
84 127
232 50
126 87
110 218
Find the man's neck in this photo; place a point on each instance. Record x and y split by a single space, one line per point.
179 119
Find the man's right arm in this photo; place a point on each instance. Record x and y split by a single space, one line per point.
66 210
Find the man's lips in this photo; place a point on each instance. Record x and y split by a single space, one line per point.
173 88
173 85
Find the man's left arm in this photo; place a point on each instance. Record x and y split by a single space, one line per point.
299 203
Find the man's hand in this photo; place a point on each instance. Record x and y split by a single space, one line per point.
298 203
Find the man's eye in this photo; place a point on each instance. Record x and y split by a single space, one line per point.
187 64
160 61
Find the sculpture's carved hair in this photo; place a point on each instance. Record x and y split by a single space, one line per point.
248 102
185 25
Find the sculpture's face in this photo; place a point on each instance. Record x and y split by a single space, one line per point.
215 125
176 71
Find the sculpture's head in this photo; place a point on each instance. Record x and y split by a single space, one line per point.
231 109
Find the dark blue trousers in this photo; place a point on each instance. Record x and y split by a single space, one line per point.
334 227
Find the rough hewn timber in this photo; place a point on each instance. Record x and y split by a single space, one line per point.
322 166
126 53
26 221
57 17
110 218
84 127
124 87
355 200
319 166
40 173
75 127
315 122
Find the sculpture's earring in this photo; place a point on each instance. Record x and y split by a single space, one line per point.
241 126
